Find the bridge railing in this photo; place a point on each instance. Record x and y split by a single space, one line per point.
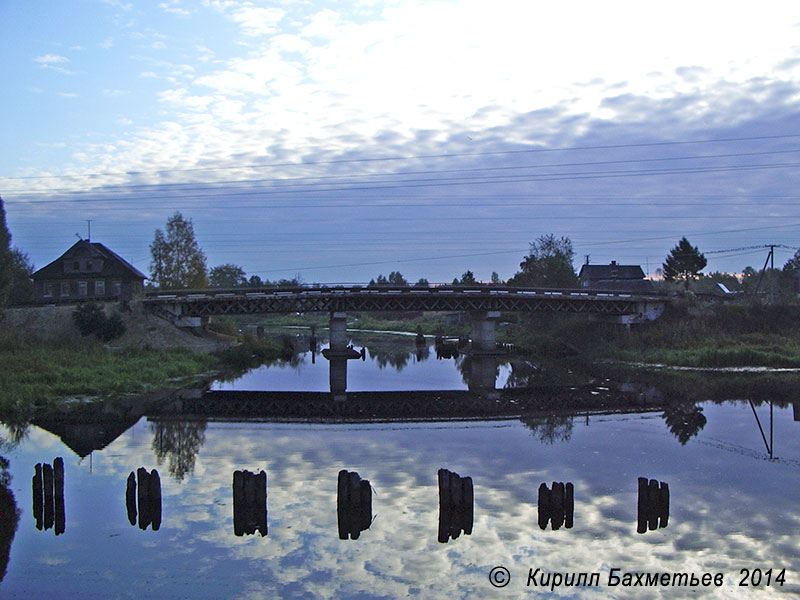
188 294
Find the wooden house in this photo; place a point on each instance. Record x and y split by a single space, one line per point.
623 278
88 270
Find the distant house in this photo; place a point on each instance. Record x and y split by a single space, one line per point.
623 278
88 270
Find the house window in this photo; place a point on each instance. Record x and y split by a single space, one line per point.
48 290
100 287
116 288
65 288
76 266
83 288
88 265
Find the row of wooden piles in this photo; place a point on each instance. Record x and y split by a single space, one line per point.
249 503
143 498
455 505
556 505
48 496
353 505
653 505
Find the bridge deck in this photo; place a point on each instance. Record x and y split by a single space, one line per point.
199 303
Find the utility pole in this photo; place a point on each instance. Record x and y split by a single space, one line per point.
89 223
772 274
771 262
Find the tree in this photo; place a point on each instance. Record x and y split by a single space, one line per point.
255 281
793 263
549 264
684 262
396 279
495 278
21 271
178 261
422 283
6 257
227 276
468 278
379 282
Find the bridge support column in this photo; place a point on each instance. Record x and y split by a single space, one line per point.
338 331
483 376
338 378
483 332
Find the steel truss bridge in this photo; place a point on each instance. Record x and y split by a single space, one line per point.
219 301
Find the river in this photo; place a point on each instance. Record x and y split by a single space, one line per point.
713 503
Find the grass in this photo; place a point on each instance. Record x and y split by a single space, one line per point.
31 375
690 334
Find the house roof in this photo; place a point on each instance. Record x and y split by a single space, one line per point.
113 264
611 271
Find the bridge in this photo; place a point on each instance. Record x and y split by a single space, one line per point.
484 303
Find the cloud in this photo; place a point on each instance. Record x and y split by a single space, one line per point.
51 59
173 7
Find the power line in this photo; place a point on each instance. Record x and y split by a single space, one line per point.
424 183
413 157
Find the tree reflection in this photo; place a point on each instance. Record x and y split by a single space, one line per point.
551 428
178 442
398 360
9 516
685 420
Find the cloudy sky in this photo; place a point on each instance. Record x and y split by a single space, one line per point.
340 140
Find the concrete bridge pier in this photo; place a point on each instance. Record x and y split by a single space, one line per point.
484 325
338 331
483 376
338 378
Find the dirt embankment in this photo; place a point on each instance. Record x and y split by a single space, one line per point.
142 330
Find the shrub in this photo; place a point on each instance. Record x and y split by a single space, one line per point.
90 319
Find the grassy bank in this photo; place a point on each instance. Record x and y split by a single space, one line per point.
691 334
39 374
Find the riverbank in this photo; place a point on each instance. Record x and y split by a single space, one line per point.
689 334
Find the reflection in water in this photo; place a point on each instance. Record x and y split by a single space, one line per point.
556 505
455 505
684 420
249 503
353 505
178 442
9 517
48 496
551 428
143 491
653 505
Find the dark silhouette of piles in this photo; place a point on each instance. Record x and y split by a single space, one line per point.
48 496
143 492
249 503
653 505
353 505
556 505
455 505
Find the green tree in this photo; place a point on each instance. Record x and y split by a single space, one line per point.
495 278
177 260
6 258
684 263
396 279
468 278
422 282
21 271
255 281
227 276
549 264
793 263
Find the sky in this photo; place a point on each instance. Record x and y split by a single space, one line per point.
342 140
